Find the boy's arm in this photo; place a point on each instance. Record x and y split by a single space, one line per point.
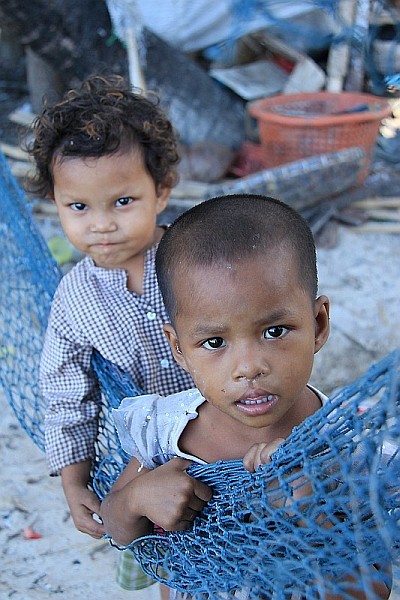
140 497
260 454
82 502
72 393
380 590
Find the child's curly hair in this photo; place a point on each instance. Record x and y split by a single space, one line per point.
102 118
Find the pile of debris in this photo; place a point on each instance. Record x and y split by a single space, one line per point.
207 91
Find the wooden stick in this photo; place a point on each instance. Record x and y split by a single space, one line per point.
22 118
189 188
377 228
21 168
339 54
45 207
135 71
380 202
14 151
384 215
356 70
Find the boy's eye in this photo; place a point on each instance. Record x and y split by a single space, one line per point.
123 201
214 343
79 206
275 332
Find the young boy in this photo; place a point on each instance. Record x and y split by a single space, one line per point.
239 281
107 157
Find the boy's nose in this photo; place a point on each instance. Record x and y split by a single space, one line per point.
102 224
249 364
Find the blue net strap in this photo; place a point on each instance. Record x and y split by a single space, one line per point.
28 279
110 457
327 505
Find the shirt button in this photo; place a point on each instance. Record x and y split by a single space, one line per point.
164 363
151 315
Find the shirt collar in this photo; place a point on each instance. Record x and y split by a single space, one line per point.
117 278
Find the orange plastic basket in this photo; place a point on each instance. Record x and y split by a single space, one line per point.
296 126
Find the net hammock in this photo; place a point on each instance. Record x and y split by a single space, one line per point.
328 503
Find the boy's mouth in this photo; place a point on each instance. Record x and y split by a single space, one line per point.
103 243
257 397
263 400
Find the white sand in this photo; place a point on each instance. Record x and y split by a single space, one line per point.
362 277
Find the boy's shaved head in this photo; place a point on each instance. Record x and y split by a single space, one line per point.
228 229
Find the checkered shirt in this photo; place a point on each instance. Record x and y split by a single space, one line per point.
92 308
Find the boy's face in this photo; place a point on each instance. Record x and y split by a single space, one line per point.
108 207
247 333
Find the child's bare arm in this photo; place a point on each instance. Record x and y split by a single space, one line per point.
380 590
260 454
82 502
167 496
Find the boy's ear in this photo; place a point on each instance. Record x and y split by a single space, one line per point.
174 343
322 327
163 194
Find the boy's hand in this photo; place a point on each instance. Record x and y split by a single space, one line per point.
82 502
166 496
170 497
259 454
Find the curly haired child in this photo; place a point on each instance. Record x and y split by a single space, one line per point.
107 157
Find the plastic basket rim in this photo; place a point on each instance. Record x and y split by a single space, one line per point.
260 110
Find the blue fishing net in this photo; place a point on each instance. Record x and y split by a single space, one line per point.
28 279
328 503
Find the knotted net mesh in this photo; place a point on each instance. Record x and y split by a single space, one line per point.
28 279
327 505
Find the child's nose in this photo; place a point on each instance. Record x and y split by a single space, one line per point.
249 363
103 224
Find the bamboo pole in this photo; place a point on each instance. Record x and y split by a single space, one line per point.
339 54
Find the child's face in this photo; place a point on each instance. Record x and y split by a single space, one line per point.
247 333
108 207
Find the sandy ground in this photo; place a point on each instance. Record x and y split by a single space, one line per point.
360 275
63 562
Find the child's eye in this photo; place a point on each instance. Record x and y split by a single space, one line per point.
78 206
123 201
214 343
275 332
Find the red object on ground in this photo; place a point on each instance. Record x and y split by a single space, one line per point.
30 534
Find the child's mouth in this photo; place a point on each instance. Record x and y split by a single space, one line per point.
257 403
261 400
